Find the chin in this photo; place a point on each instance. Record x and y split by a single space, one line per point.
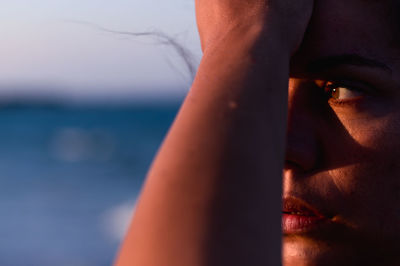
302 251
298 251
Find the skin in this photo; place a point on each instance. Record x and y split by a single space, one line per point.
213 194
343 154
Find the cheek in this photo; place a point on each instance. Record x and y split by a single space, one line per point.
372 183
371 192
380 134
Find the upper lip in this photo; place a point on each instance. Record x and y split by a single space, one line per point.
293 205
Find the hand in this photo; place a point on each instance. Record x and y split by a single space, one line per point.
285 20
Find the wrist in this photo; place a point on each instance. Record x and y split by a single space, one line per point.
258 41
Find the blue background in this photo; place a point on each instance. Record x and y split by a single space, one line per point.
70 177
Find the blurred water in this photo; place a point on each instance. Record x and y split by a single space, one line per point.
69 178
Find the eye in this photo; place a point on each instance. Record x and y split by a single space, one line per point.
342 91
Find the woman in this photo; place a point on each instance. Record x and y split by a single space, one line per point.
310 88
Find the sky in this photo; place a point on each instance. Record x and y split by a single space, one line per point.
66 48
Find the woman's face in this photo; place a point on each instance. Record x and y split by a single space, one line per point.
343 145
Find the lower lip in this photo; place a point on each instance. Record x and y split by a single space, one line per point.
292 223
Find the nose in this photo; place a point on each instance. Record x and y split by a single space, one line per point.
302 149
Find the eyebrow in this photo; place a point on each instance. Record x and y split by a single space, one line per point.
329 62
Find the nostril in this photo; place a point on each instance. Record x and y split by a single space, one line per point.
292 165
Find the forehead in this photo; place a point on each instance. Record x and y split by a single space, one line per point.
364 27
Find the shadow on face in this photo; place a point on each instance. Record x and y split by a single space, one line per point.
343 144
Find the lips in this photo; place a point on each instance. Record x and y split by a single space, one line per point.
299 216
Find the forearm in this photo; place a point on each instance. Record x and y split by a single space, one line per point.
213 195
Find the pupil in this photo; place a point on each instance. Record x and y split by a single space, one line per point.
335 93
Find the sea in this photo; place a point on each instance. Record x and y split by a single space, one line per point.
70 177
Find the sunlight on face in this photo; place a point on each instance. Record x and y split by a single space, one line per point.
344 140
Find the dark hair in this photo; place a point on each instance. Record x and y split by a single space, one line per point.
160 38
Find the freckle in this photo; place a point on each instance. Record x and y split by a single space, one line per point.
335 219
233 105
